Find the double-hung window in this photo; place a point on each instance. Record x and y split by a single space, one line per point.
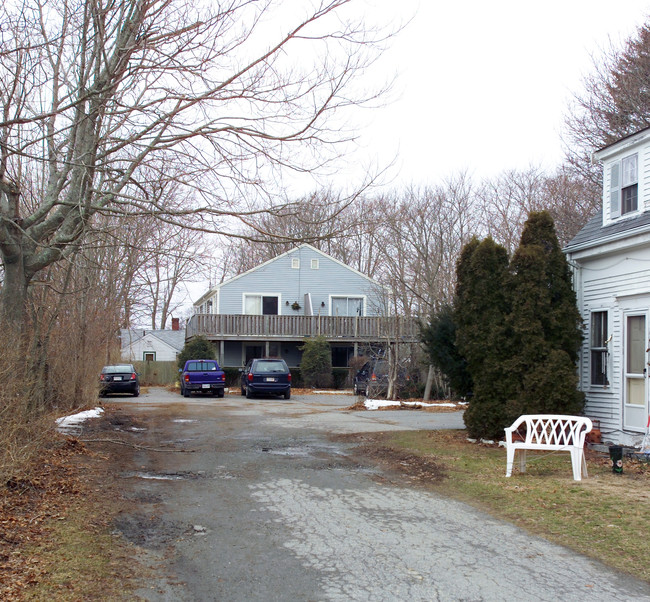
598 348
624 186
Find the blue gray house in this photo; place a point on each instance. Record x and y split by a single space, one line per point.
270 310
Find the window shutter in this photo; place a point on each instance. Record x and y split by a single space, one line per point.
614 191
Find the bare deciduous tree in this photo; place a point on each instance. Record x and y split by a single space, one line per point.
97 98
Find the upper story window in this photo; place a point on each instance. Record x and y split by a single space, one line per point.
295 263
624 186
314 264
261 305
347 306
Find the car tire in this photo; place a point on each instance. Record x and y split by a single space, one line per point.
221 393
243 391
136 393
186 393
249 395
287 395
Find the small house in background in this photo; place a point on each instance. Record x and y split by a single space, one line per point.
140 345
611 261
270 310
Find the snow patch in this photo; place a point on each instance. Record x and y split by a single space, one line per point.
72 424
375 404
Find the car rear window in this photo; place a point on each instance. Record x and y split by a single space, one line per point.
118 369
271 366
201 367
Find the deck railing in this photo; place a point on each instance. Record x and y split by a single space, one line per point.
353 328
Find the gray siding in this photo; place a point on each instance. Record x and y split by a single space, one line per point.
277 277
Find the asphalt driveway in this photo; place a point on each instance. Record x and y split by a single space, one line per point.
259 502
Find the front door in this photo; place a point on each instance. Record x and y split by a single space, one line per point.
635 394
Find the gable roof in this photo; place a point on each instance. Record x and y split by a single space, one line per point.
214 289
594 233
172 338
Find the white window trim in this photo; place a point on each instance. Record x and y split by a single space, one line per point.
145 353
618 179
243 302
608 367
314 264
349 296
295 263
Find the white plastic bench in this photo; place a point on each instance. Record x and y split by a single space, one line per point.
549 432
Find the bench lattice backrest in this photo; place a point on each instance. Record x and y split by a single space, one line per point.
561 431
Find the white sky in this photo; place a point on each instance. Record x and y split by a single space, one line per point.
484 86
481 85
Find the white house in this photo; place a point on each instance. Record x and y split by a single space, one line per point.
151 345
271 309
611 261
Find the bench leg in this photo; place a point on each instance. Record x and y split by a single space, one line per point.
578 463
510 458
522 460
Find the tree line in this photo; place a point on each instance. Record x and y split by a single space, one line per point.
144 140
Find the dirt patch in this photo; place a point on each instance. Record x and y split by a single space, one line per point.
371 449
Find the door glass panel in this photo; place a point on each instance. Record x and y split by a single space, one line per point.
270 306
252 305
636 391
635 344
339 306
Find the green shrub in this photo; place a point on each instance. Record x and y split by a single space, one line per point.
196 348
316 365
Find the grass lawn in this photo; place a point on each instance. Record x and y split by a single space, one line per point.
606 516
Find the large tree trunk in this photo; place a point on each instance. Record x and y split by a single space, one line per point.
13 295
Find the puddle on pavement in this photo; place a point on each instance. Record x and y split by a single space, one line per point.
164 476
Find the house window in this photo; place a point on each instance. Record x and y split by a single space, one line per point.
295 263
149 356
347 306
314 264
624 186
261 305
598 348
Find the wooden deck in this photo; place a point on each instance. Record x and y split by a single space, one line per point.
293 328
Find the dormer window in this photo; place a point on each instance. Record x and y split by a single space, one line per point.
624 186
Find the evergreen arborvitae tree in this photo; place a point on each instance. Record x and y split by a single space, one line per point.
439 339
198 348
480 311
545 324
316 364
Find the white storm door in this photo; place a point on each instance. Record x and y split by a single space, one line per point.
635 394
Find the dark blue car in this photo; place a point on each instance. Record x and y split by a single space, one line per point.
266 376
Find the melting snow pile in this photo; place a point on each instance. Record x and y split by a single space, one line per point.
72 424
375 404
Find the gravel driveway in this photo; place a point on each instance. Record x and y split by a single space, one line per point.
262 503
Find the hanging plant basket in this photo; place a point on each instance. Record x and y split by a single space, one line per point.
295 306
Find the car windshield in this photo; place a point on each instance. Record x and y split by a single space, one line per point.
118 369
272 366
201 367
381 368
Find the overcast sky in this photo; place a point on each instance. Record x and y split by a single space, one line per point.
483 86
